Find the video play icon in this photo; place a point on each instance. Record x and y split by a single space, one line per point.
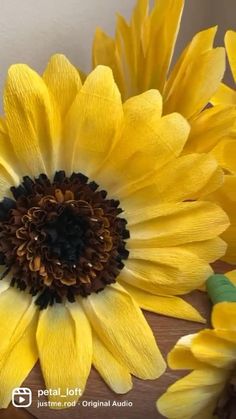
21 397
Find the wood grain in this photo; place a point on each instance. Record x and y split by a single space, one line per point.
144 393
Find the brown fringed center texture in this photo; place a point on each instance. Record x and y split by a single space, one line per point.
62 238
226 407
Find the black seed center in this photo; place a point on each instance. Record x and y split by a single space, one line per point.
66 236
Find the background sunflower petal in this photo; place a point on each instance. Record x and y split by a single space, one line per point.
210 127
230 44
224 94
188 91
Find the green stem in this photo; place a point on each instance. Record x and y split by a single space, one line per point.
220 289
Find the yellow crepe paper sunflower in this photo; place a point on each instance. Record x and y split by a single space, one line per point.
225 151
140 56
81 246
141 52
209 391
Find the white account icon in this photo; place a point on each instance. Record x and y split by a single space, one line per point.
21 397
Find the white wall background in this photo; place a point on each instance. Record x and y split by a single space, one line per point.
30 30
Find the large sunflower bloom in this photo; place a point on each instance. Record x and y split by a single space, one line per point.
81 245
140 56
209 391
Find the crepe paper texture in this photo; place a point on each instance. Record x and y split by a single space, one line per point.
141 57
209 390
82 248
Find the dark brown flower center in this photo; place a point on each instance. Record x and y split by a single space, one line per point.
226 406
62 238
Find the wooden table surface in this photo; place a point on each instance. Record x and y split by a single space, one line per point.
144 393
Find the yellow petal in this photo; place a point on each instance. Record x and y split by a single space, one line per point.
225 196
162 304
65 349
139 140
192 394
150 103
18 362
147 142
10 169
196 76
133 55
63 80
174 224
210 127
124 53
226 335
83 341
176 186
225 153
170 271
232 276
179 180
164 142
122 328
162 27
230 238
208 250
32 120
230 44
114 373
129 48
103 49
211 349
142 116
93 122
165 137
223 316
16 311
181 356
105 53
224 94
139 14
207 376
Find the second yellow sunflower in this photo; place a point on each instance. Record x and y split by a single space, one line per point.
140 56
